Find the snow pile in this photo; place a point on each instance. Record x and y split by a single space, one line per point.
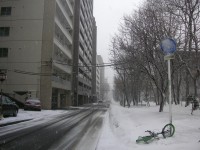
122 127
26 115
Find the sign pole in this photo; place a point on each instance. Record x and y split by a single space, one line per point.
170 90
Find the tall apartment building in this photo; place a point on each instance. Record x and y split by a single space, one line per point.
99 66
94 65
84 52
102 77
36 49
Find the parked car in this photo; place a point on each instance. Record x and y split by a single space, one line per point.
8 106
32 104
100 101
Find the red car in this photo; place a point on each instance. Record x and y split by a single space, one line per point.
32 104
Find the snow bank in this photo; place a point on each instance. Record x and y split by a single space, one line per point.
26 115
123 126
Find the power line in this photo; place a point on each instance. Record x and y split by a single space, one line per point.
30 73
64 63
93 65
22 62
55 74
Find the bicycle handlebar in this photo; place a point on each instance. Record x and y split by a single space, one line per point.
152 133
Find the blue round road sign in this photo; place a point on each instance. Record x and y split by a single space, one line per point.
168 46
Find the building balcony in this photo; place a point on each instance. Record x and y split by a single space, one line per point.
83 91
64 31
88 83
69 8
65 14
83 43
81 27
60 83
64 68
64 49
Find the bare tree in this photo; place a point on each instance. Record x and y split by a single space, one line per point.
136 51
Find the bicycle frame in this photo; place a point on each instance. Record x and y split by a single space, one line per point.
153 135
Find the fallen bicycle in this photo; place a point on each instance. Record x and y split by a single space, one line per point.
167 131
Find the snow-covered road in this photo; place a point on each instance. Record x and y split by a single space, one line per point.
56 131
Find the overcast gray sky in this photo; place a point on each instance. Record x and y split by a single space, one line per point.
108 15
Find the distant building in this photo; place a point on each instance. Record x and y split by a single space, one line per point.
98 80
44 45
102 77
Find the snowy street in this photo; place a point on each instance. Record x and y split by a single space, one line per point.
51 130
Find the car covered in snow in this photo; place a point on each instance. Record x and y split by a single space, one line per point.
9 108
100 101
32 104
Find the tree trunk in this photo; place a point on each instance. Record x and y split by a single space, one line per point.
174 93
179 80
158 97
161 103
195 87
187 92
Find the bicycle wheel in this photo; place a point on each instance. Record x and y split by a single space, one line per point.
168 130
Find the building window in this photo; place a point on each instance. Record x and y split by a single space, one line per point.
4 31
3 52
6 11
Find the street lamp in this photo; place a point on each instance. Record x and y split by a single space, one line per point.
169 47
3 77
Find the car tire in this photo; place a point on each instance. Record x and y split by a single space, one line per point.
15 113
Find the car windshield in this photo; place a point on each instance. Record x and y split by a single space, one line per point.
97 74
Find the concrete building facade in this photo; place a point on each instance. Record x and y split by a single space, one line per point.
84 55
98 66
94 64
102 77
36 42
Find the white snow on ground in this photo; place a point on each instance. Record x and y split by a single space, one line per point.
24 115
122 126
